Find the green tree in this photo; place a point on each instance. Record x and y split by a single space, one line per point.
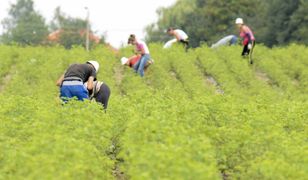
299 21
274 22
203 20
279 28
73 30
169 17
24 25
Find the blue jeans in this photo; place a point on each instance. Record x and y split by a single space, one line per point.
139 66
70 91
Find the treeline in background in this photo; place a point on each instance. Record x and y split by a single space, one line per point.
26 26
274 22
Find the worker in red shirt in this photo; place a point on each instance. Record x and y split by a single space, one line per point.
248 38
133 60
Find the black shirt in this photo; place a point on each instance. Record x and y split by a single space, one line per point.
83 71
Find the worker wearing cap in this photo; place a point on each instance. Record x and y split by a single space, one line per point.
141 49
131 61
180 36
248 38
71 82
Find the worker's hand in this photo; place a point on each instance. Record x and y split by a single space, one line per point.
90 83
60 80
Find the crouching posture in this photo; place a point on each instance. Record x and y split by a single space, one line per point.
100 93
71 82
133 60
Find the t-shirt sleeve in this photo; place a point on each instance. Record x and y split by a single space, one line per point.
93 73
140 46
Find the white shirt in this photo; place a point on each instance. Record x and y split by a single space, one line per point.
182 35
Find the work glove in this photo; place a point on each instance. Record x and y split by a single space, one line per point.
249 46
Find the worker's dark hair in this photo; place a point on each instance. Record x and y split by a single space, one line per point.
131 38
169 29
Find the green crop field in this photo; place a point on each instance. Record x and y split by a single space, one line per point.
205 114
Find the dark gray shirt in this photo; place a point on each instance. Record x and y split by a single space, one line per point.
83 71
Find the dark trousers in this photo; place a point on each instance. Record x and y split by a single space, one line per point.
247 51
185 43
102 95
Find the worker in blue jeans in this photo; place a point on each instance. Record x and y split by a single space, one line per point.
71 82
143 50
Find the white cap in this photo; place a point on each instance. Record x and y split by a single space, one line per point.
239 21
95 64
124 60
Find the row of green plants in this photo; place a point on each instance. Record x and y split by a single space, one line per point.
172 124
253 127
41 138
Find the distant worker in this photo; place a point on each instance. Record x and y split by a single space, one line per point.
248 38
71 82
169 43
141 49
133 60
228 40
180 36
100 93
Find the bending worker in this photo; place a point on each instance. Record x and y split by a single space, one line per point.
180 36
228 40
133 60
71 82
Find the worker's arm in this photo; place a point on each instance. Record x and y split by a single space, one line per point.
139 50
131 58
142 52
90 83
247 33
60 80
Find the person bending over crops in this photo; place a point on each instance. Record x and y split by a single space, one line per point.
71 82
248 38
228 40
180 36
133 60
141 49
100 93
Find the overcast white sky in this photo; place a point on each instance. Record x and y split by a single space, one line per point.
118 18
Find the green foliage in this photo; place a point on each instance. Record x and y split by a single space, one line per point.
24 25
70 27
204 114
299 21
279 17
274 22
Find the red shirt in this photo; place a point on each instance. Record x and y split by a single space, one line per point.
134 61
247 34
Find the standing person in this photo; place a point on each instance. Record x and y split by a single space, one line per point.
143 50
131 61
100 93
228 40
180 36
71 82
248 38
